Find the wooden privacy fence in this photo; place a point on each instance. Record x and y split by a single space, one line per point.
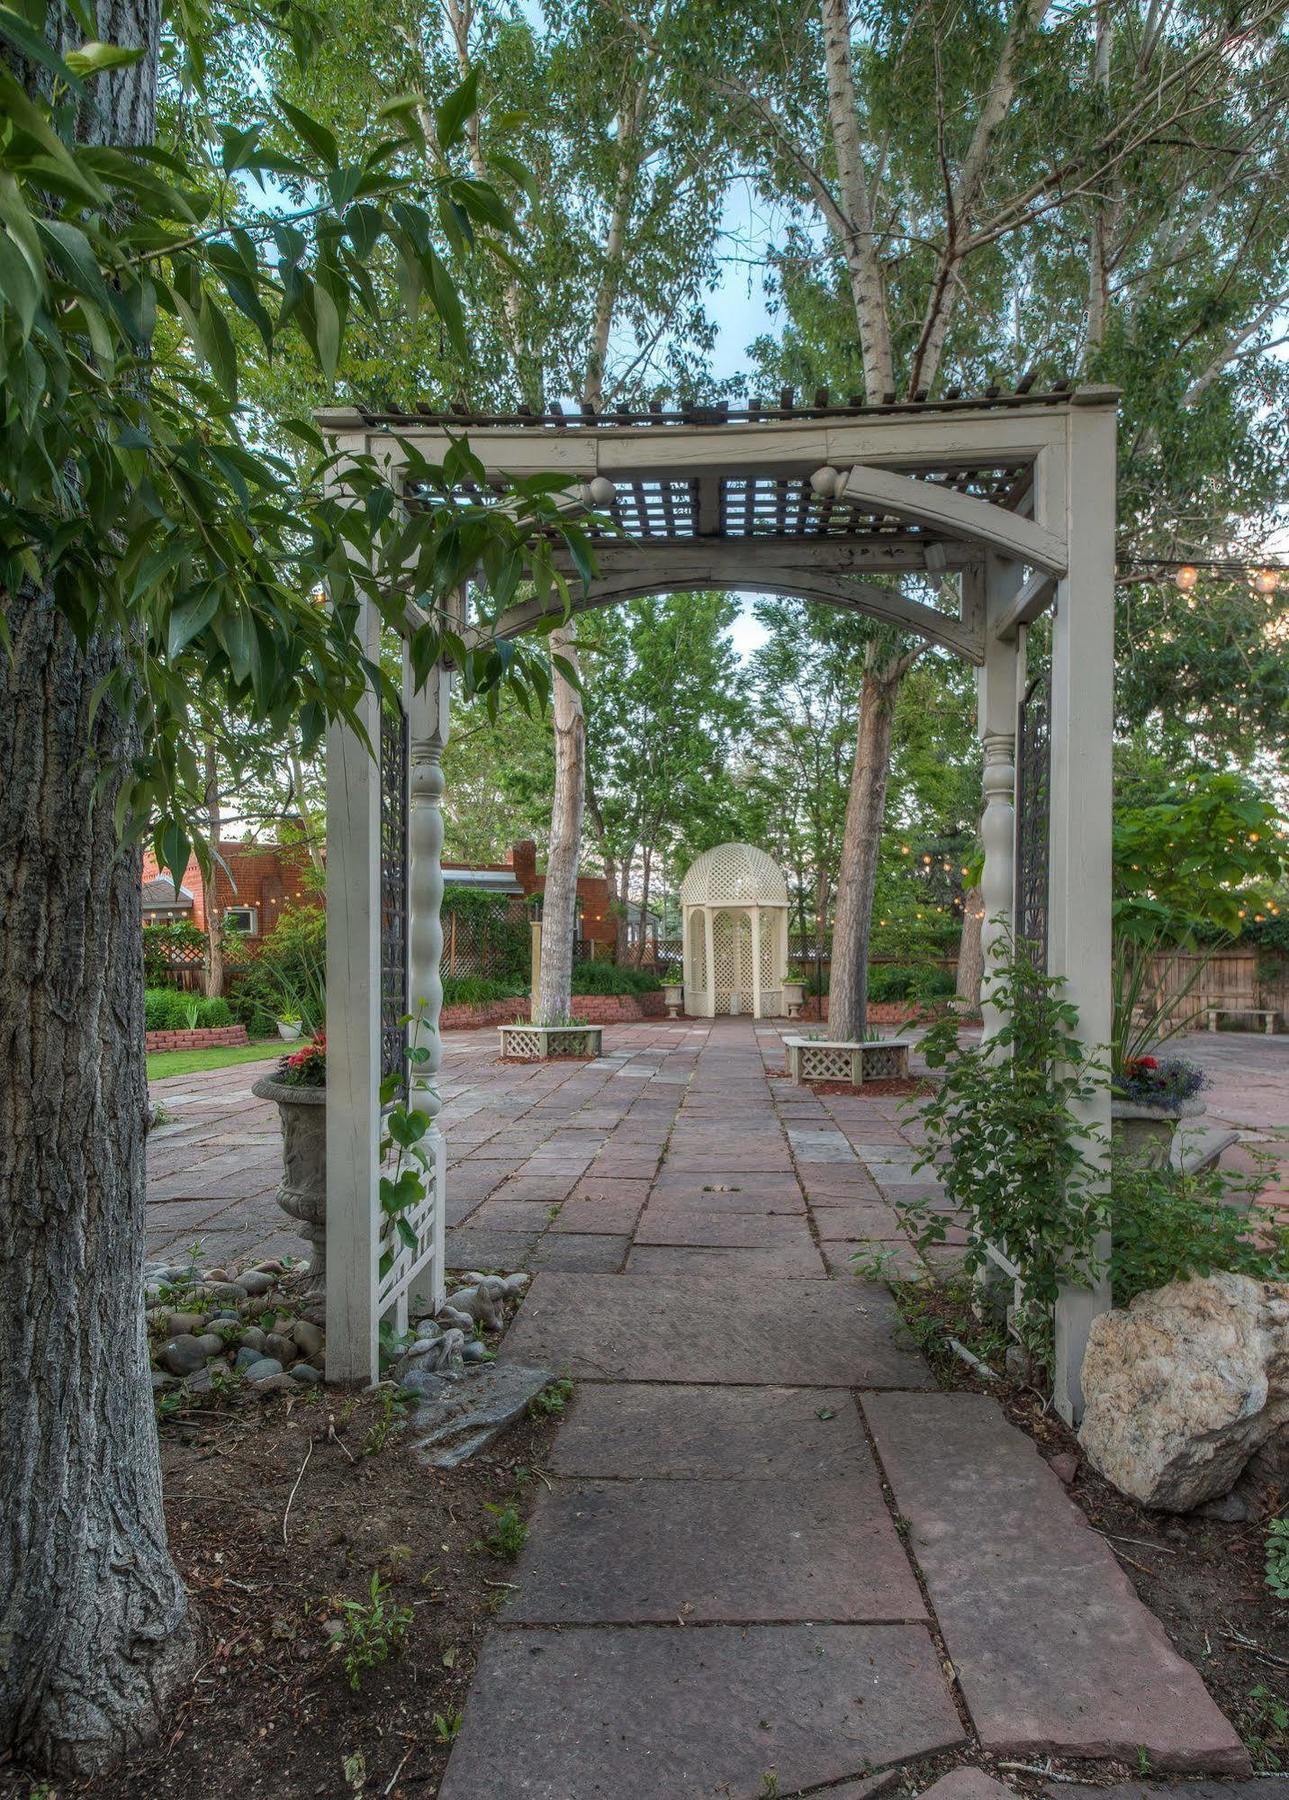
1232 979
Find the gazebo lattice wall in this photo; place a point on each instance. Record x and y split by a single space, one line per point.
734 913
1000 506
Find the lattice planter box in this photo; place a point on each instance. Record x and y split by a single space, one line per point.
833 1059
542 1043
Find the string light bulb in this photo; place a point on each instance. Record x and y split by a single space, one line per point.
1266 581
1186 577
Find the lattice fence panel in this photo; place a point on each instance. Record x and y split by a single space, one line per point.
880 1063
393 891
825 1062
1033 782
696 967
723 964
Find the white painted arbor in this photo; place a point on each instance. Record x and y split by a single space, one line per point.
1003 504
734 918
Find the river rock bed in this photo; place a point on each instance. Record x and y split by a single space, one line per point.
210 1329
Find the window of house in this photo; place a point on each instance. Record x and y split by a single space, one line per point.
245 919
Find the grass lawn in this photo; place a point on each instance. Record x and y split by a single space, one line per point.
192 1062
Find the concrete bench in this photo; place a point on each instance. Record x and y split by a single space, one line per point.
1240 1009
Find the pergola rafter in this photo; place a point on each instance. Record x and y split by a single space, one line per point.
1002 503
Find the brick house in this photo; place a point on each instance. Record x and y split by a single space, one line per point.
519 874
246 894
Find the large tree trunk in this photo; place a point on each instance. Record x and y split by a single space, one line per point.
971 950
93 1616
214 924
92 1611
642 943
857 878
559 898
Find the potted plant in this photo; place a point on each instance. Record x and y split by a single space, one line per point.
298 1085
289 1025
673 994
794 994
1150 1094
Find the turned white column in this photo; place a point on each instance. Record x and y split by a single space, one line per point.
997 699
353 1033
1079 889
428 711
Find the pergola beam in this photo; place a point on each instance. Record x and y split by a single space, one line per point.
961 515
1034 598
756 575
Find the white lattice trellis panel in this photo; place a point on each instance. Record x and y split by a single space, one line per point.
407 1263
697 966
734 875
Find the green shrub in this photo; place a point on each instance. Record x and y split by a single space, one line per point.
287 973
608 978
909 981
1168 1226
477 990
167 1009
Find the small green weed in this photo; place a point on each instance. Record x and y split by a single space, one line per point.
389 1415
508 1536
448 1724
552 1400
372 1631
1278 1558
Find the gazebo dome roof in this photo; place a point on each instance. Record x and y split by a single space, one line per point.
734 875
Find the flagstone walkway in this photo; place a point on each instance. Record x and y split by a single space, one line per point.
772 1557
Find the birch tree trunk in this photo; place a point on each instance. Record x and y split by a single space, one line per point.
94 1637
559 898
214 930
861 844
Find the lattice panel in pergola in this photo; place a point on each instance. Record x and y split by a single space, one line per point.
696 967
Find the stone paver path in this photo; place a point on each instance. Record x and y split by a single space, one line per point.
771 1556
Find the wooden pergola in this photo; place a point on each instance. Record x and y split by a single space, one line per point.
1001 505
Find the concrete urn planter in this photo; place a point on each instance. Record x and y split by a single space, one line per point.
1147 1131
794 998
302 1193
673 995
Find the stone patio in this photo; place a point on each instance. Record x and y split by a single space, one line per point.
718 1594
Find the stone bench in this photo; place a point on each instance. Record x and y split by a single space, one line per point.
1240 1009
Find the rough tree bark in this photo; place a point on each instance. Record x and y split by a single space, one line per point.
214 928
865 805
94 1637
971 950
92 1611
559 897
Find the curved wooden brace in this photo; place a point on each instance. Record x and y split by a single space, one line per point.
829 590
961 515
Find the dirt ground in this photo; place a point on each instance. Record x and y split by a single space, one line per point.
271 1715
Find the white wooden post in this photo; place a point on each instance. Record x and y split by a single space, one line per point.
428 711
756 962
997 698
1080 805
353 1033
709 947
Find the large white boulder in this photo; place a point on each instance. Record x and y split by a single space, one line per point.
1184 1385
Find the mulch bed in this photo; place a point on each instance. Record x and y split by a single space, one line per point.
1202 1579
271 1714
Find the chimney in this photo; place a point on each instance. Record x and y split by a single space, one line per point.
523 857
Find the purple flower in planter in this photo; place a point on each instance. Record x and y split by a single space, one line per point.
1163 1082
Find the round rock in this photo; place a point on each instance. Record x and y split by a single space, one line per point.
255 1282
307 1336
306 1373
183 1355
263 1367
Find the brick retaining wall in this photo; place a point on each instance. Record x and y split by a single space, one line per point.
213 1037
595 1009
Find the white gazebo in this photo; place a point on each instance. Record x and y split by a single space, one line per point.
734 914
964 520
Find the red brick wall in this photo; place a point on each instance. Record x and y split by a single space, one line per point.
596 1009
266 876
212 1037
